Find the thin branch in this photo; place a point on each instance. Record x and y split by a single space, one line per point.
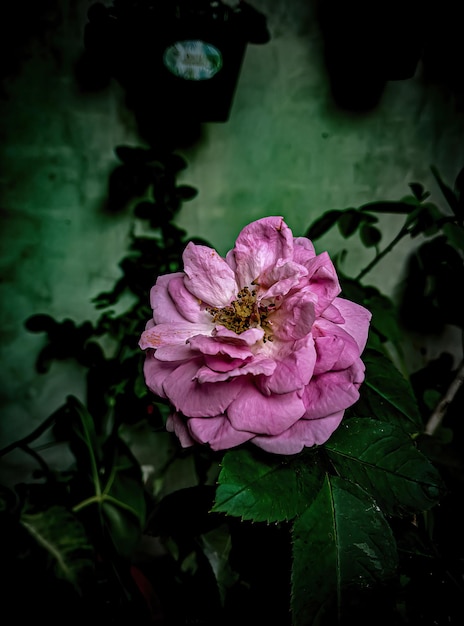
403 232
25 441
440 410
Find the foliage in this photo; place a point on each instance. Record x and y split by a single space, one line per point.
366 527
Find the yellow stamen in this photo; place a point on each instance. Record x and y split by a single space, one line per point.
242 313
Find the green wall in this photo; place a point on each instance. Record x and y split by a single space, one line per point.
286 149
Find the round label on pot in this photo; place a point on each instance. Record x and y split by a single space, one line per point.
193 60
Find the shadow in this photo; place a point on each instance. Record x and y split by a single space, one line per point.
368 44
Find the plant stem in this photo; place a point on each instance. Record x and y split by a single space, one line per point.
25 441
440 410
403 232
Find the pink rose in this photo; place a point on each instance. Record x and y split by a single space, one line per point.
256 346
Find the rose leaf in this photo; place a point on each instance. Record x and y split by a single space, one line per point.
386 394
266 488
385 462
341 542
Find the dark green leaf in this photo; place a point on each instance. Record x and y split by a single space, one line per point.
40 323
428 293
114 492
384 461
459 182
418 191
186 192
144 210
216 545
459 190
455 236
63 538
266 488
133 156
322 224
391 396
385 319
341 542
425 220
84 442
123 498
388 206
370 235
124 184
175 163
348 222
449 194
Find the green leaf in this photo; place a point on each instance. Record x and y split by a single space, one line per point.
425 220
387 395
341 542
384 461
385 319
388 206
145 209
370 235
133 155
322 224
84 442
348 222
270 488
216 545
186 192
122 500
114 493
419 192
175 163
63 538
455 236
449 194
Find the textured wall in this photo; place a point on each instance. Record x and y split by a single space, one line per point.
286 149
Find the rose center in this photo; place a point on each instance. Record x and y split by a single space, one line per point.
243 313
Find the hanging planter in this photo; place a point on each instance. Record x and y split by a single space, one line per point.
179 61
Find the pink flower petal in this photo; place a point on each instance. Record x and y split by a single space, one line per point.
194 399
261 245
270 415
177 352
164 308
208 277
330 393
323 281
218 432
186 303
303 250
223 363
176 424
211 346
357 319
336 349
304 433
255 367
175 333
329 352
293 372
155 373
295 317
332 314
249 338
279 279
